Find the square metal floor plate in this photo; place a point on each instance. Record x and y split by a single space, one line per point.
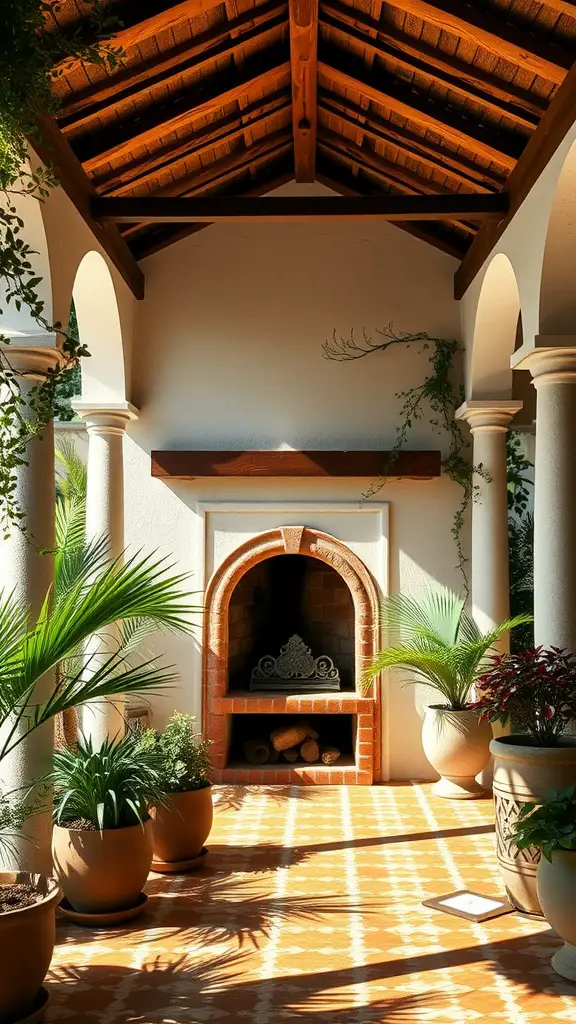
472 906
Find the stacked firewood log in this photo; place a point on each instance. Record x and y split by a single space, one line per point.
294 742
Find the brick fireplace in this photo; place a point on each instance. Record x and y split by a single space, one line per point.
288 581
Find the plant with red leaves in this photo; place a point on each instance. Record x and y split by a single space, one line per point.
534 689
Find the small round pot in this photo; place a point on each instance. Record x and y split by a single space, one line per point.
27 939
457 745
524 773
102 872
557 893
180 830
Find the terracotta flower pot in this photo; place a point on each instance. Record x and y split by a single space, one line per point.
104 871
457 745
27 942
557 894
524 773
181 829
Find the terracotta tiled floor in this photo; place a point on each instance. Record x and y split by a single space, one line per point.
308 909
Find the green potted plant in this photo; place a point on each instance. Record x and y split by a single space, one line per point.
182 824
442 647
551 830
102 839
535 691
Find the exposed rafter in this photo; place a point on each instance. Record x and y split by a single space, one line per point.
304 65
166 210
103 97
54 151
350 74
551 131
203 100
498 34
411 64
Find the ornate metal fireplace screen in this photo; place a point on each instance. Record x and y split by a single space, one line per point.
295 670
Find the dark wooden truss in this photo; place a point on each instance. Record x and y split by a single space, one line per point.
416 102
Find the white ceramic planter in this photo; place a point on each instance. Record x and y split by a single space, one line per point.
457 745
557 894
524 773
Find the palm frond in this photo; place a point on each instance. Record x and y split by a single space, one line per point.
72 481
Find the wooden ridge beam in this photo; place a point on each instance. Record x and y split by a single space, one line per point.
304 73
204 142
494 32
549 134
141 20
339 19
437 235
382 132
164 69
53 149
350 74
180 210
520 102
201 100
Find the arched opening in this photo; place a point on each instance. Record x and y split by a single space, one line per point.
14 322
267 561
98 319
497 331
558 282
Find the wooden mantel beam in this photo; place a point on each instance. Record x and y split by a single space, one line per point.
304 65
190 465
166 210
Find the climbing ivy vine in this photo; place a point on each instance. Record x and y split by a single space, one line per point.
33 52
436 398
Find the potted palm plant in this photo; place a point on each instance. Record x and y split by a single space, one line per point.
102 839
182 824
551 830
89 594
535 691
442 647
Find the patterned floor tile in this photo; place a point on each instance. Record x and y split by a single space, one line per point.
309 910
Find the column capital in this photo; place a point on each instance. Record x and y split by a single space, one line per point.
491 415
32 361
105 418
552 359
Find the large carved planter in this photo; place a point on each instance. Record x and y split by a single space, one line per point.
525 774
557 893
457 745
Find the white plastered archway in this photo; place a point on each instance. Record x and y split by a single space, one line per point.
20 323
103 375
557 314
494 332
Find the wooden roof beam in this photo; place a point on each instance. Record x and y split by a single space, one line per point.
350 74
564 6
165 210
202 100
549 134
494 32
55 152
521 103
164 68
436 159
304 65
141 20
336 16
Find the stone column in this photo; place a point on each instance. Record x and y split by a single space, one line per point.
106 426
553 367
27 571
490 583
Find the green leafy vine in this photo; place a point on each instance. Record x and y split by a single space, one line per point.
436 398
34 51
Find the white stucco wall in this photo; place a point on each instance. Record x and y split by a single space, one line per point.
228 355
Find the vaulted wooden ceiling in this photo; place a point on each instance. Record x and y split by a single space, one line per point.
234 98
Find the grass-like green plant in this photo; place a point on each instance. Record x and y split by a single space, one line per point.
111 787
183 753
549 827
437 643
